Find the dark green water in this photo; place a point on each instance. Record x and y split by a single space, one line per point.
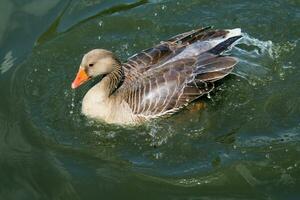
245 143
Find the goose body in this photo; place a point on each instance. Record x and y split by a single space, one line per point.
158 81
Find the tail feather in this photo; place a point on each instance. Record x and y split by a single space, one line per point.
214 67
224 45
211 66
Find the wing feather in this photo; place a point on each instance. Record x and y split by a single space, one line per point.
162 79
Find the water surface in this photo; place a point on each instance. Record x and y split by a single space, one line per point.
244 143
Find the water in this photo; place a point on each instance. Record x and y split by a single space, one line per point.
244 143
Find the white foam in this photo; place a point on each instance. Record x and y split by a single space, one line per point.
234 32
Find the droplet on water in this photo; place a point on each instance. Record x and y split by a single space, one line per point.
158 155
208 95
281 75
267 156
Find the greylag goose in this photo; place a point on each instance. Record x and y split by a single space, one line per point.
159 80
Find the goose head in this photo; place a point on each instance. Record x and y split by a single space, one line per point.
95 63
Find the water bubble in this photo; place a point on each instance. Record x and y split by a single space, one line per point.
287 66
267 156
253 83
155 14
111 134
100 23
208 96
284 48
163 7
281 75
158 155
125 46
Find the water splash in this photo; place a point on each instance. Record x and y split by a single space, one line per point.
284 48
256 47
100 23
255 59
71 106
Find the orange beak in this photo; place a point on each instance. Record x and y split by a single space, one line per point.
81 78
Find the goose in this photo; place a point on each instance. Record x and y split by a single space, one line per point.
158 81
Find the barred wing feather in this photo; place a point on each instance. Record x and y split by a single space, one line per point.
176 84
162 79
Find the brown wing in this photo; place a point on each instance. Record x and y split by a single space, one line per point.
164 78
175 84
151 58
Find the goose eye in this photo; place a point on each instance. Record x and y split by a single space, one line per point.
91 65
